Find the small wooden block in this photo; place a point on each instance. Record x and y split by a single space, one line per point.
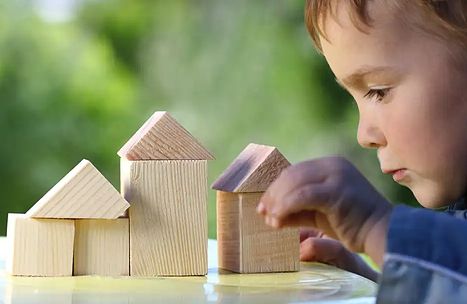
102 247
168 216
163 138
246 243
39 247
255 168
82 193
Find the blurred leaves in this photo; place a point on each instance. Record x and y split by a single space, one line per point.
232 72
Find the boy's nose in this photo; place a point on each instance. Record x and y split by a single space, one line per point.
369 135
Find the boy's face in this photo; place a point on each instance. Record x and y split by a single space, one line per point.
411 101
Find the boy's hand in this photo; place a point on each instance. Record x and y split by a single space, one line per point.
331 195
316 247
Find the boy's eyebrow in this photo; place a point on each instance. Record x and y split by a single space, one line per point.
359 78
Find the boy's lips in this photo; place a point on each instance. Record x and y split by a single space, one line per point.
397 174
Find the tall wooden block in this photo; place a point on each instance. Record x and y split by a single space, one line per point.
102 247
39 247
168 216
83 193
246 243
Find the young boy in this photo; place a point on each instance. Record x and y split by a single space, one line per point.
405 64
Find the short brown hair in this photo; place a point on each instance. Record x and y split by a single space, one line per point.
448 18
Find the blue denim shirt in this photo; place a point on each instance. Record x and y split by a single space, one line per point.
426 256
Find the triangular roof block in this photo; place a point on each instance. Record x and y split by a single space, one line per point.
163 138
253 170
83 193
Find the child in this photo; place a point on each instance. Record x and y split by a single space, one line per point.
405 64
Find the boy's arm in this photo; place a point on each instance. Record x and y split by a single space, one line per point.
425 259
375 242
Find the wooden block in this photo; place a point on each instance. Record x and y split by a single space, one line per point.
163 138
82 193
246 243
228 231
255 168
168 216
102 247
265 249
39 247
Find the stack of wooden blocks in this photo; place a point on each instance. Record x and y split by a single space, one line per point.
83 226
74 229
164 177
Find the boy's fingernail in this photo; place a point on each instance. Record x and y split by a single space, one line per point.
260 208
275 222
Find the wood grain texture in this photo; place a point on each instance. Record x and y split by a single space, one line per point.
102 247
39 247
83 193
246 244
163 138
228 231
265 249
168 216
255 168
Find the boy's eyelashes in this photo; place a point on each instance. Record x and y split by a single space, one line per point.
378 93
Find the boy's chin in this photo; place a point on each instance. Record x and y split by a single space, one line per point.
430 198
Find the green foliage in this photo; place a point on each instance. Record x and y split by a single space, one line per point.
232 72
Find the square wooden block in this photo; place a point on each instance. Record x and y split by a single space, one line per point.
102 247
39 247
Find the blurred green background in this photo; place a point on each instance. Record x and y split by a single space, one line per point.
78 78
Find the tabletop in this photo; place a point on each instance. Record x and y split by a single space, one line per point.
314 283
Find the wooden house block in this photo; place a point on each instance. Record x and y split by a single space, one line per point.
163 138
102 247
168 216
39 247
83 193
246 244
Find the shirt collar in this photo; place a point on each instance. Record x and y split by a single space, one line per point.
458 205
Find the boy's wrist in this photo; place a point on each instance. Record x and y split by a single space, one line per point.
375 241
366 271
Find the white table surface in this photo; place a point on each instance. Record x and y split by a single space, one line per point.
314 283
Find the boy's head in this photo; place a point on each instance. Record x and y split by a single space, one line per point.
405 64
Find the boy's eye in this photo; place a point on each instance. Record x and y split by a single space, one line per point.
378 93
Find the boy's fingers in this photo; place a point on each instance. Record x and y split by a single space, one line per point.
301 219
294 177
304 219
297 175
308 197
261 208
310 232
320 250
